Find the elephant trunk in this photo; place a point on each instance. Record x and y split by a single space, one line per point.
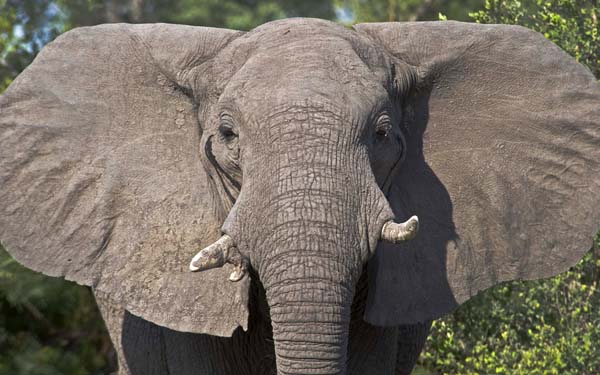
310 333
309 288
310 260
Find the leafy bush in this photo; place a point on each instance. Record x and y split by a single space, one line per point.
48 326
526 327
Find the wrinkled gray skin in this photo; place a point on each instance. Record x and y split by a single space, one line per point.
127 149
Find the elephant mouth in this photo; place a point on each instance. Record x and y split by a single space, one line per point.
224 251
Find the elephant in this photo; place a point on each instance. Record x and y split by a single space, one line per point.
302 198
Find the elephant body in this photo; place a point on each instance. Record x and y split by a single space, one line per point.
303 198
146 348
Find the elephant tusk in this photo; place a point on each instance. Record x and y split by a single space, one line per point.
217 254
396 233
212 256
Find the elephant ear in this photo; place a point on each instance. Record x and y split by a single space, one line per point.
100 173
503 142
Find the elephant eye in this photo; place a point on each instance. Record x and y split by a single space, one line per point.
226 131
383 127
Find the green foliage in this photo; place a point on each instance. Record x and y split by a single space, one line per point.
25 26
573 25
48 326
406 10
233 14
536 327
6 36
244 15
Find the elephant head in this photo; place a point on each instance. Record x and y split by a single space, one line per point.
285 153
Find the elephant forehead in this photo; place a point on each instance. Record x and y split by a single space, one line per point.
329 71
304 64
301 54
278 32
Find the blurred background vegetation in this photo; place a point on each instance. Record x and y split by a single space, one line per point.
49 326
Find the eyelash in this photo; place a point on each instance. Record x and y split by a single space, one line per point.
226 128
226 131
383 127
